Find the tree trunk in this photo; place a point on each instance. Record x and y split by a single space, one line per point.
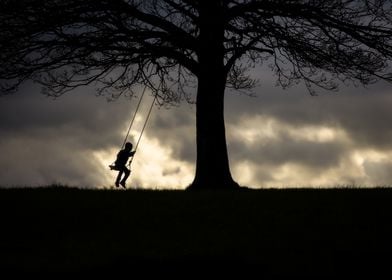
212 164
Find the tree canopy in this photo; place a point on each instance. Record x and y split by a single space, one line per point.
121 43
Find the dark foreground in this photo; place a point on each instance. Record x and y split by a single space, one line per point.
321 234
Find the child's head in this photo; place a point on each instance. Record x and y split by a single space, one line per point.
128 146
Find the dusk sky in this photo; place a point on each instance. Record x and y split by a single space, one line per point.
279 138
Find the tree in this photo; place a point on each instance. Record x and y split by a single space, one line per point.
170 45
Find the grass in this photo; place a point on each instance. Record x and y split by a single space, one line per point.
315 232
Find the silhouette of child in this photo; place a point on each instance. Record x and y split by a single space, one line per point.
120 164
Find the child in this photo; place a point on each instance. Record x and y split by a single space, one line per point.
120 164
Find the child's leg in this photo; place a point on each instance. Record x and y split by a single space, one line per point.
127 172
120 172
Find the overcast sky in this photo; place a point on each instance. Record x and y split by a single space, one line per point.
279 138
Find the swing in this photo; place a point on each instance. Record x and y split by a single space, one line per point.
113 166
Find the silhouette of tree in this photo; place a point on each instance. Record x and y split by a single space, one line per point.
172 45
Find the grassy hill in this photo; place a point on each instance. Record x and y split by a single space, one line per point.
320 233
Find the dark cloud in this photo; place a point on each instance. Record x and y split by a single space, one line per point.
171 171
175 128
286 149
88 120
380 172
31 161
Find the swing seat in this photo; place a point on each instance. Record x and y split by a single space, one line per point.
113 167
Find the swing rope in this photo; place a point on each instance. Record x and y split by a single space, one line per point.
145 123
133 118
144 126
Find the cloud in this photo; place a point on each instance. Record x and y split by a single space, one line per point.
33 162
176 127
379 172
274 143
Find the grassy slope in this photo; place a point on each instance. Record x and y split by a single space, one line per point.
270 231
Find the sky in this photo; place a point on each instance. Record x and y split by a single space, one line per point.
278 138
